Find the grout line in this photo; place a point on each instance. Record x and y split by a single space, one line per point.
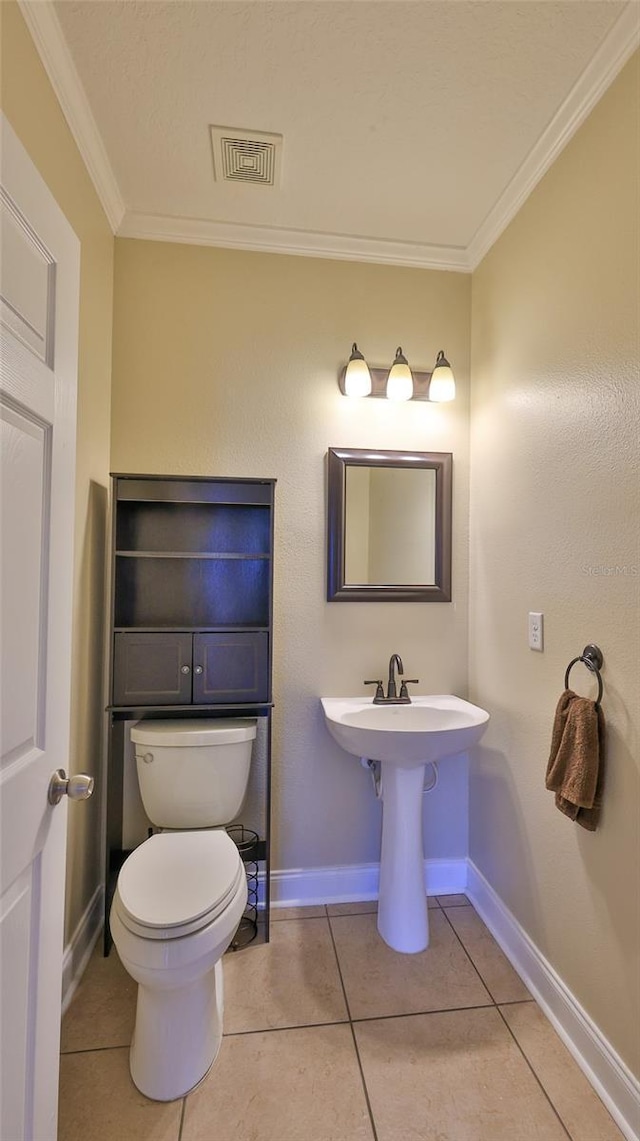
350 914
364 1084
537 1079
275 918
353 1034
184 1109
279 1029
355 1019
423 1013
468 954
497 1008
93 1050
335 951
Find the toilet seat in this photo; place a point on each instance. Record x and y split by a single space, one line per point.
176 883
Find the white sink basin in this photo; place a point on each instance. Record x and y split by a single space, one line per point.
404 738
428 729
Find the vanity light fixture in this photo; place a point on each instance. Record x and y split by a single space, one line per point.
442 386
400 382
357 378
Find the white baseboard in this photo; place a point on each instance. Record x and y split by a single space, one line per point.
604 1069
78 950
297 887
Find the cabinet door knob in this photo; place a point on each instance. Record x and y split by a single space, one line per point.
198 670
185 669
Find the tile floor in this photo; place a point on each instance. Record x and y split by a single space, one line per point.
331 1036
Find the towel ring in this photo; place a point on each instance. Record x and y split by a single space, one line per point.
592 658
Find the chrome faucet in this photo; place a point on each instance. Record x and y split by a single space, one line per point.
392 698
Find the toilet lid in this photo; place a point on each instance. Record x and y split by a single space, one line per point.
176 879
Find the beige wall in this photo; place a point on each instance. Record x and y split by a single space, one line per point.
33 110
226 363
555 497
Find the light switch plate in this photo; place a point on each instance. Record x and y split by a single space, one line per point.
536 631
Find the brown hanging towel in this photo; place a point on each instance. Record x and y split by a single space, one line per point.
575 771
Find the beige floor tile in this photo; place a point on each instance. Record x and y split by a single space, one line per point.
103 1009
576 1102
452 900
290 1085
379 981
457 1076
314 912
99 1102
499 977
291 981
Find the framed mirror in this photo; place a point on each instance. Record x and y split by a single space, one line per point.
389 526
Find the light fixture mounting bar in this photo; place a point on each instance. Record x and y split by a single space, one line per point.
379 383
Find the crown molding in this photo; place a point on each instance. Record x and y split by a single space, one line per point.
299 242
47 35
303 243
617 47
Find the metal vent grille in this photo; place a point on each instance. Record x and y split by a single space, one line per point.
246 156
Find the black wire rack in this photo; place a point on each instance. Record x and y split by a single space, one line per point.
247 843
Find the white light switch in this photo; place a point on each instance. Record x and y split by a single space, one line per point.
536 622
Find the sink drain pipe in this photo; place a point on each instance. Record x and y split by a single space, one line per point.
375 768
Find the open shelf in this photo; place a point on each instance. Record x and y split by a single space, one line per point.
160 592
232 529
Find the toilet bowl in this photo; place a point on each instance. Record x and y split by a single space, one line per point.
178 902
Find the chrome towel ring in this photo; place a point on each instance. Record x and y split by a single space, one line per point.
592 658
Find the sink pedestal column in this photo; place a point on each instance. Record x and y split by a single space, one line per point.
403 918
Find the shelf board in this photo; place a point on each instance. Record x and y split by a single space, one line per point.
256 708
187 555
238 627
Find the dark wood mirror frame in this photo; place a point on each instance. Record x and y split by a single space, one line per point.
338 459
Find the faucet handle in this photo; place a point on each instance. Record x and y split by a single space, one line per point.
405 682
379 690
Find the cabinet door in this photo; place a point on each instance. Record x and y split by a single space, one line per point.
152 669
231 668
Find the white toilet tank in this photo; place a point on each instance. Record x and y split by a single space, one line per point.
193 773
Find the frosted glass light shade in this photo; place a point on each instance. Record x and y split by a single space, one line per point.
357 378
400 379
442 386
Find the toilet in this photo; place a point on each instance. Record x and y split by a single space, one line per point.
180 896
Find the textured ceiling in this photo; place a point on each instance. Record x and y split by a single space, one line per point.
402 121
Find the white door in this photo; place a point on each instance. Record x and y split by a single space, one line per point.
39 287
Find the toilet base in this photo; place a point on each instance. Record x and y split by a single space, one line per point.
177 1036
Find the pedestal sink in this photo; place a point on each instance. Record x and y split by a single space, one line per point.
404 738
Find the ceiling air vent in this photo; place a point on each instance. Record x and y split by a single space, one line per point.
246 156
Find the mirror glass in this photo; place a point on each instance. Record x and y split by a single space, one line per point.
389 526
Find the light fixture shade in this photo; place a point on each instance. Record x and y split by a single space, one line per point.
357 378
400 379
442 386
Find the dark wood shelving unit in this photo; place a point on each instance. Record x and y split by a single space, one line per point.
191 620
